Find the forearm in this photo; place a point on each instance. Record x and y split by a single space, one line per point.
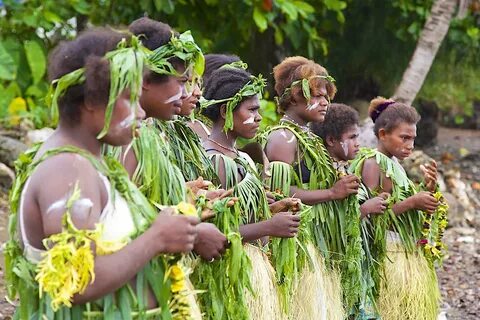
254 231
402 206
312 197
115 270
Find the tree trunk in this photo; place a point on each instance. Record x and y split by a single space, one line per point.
431 38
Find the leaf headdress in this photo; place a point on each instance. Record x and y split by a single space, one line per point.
253 87
126 72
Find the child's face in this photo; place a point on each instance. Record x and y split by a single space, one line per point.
346 148
400 141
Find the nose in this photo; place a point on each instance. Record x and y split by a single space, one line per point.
258 117
410 145
184 91
197 92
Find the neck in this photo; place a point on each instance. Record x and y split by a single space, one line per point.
332 154
295 117
382 149
225 139
81 137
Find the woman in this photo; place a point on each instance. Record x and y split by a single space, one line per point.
304 90
91 203
232 105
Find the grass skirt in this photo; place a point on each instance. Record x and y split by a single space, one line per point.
318 293
409 290
264 304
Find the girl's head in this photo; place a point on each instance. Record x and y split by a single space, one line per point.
395 126
84 103
213 61
291 76
162 94
225 84
339 131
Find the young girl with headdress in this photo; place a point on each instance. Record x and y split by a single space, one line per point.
407 239
66 239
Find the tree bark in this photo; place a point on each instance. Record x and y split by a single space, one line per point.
429 42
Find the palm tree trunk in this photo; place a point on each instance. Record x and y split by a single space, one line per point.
431 38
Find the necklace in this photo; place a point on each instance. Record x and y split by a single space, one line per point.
223 147
286 117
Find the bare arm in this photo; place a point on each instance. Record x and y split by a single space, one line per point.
129 161
86 212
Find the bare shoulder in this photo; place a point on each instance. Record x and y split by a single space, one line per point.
281 146
53 183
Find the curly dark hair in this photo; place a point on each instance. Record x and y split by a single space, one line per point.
388 114
213 61
86 51
296 68
153 35
224 83
338 120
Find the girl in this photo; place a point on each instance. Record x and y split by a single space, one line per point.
409 289
91 204
233 108
340 134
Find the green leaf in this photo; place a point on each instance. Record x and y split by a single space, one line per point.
260 19
303 6
36 60
8 69
290 10
335 5
278 36
51 17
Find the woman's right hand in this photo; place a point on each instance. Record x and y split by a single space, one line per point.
284 225
424 201
376 205
344 187
175 233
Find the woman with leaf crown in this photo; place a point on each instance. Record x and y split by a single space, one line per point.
65 240
231 103
301 166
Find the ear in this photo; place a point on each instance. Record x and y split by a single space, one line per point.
330 141
223 111
382 134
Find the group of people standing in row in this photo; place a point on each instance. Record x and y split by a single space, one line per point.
140 205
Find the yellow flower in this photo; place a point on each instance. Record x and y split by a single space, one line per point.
176 273
187 209
178 286
15 108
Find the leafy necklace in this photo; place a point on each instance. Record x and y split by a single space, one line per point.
286 117
223 147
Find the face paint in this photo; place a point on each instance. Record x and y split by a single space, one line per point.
314 106
57 205
175 97
344 145
127 122
250 120
291 139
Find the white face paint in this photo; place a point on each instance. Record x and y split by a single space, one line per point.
291 139
314 106
127 122
344 145
175 97
284 134
249 120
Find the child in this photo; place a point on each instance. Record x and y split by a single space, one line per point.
409 289
339 132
